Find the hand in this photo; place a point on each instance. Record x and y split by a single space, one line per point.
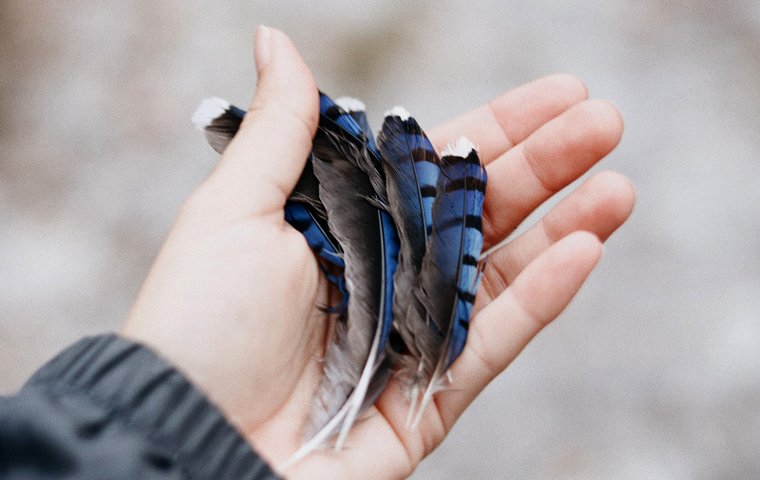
231 299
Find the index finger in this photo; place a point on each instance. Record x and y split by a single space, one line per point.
511 117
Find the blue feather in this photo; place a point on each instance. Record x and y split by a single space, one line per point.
449 275
342 118
384 366
220 121
467 180
411 167
352 187
356 130
356 110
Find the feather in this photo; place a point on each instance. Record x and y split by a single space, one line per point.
220 121
384 364
411 168
449 275
352 188
349 114
356 109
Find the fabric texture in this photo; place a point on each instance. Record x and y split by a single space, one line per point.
110 408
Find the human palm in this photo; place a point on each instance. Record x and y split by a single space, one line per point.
233 298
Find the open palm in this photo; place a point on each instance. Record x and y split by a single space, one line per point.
232 298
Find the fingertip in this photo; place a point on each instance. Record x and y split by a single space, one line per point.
263 162
619 120
284 78
262 47
619 193
297 64
605 123
586 132
571 86
581 246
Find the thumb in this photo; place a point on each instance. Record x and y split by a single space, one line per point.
262 164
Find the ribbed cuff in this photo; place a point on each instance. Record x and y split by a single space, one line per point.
150 395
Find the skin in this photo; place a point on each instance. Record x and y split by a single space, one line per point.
231 297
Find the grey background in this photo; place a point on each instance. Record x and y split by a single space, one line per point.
653 372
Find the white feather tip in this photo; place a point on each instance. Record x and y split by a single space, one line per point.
398 111
350 104
460 148
209 110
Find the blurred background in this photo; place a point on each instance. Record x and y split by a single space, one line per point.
653 371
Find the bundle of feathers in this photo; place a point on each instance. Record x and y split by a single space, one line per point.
396 228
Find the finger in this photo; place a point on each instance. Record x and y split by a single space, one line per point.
502 329
548 160
263 162
511 117
600 205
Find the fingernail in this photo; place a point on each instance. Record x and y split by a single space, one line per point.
263 47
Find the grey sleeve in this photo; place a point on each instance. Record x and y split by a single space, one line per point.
107 408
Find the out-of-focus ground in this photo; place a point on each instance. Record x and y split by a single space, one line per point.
653 372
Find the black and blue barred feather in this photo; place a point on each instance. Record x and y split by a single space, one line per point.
220 121
356 110
412 170
352 187
449 275
361 134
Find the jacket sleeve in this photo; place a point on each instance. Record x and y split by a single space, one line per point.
109 408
